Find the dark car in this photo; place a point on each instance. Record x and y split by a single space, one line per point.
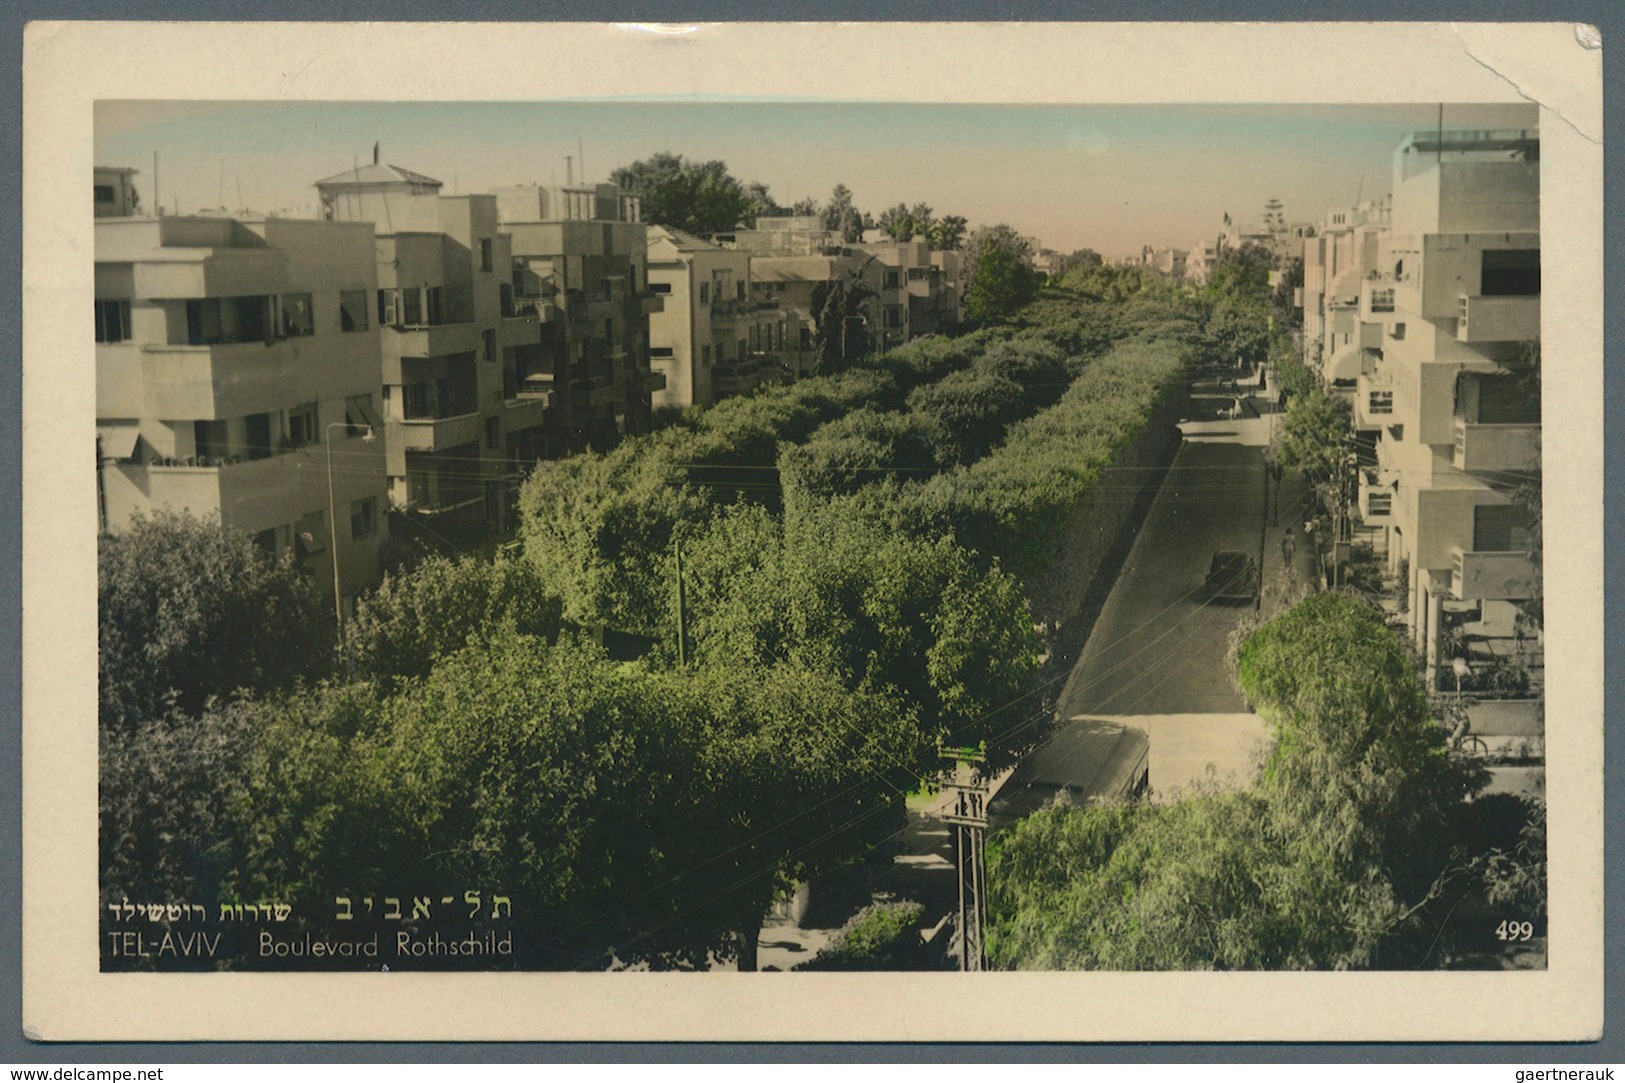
1232 577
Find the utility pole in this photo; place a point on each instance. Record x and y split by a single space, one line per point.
968 813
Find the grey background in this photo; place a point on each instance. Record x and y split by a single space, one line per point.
15 1049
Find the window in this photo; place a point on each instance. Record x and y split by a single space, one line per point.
1379 504
411 308
437 305
211 321
660 287
364 518
1380 402
505 299
112 321
894 316
388 307
210 438
1510 273
705 357
105 194
705 293
257 430
302 425
1397 331
660 351
891 280
296 316
1500 528
488 345
493 433
740 290
485 253
609 334
359 416
353 310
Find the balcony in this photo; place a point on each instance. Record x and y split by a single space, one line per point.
1498 319
431 340
207 383
651 303
438 433
1511 449
649 382
1490 575
541 309
250 495
595 391
527 412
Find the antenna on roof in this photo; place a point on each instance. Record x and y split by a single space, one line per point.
569 169
375 153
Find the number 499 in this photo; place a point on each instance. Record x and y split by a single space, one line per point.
1515 930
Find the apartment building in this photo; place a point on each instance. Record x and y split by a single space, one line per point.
714 337
1337 260
116 195
237 379
1450 395
455 441
580 260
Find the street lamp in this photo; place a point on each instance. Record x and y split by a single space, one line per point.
332 514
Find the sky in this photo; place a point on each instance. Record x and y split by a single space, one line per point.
1111 178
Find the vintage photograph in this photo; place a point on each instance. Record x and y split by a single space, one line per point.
711 553
885 537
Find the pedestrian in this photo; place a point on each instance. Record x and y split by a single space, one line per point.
1289 547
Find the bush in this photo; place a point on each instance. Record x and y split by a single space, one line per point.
881 936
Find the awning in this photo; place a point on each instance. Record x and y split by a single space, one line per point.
118 439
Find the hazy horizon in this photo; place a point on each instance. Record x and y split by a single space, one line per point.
1111 178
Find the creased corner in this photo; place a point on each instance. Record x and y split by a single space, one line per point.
1580 32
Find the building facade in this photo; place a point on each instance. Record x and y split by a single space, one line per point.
455 442
580 260
1449 394
237 379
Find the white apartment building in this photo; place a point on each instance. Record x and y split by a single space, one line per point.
1448 387
456 442
237 379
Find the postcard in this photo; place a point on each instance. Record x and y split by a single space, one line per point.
766 532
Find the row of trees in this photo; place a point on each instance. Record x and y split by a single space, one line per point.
472 731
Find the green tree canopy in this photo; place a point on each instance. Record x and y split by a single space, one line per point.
416 617
700 197
1313 437
1330 860
998 274
188 610
841 216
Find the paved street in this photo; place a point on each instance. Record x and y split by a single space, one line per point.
1158 645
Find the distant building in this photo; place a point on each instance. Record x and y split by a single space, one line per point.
115 195
456 442
581 252
236 377
714 337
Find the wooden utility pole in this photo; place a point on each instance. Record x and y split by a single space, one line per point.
967 811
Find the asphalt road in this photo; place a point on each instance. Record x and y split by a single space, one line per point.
1158 645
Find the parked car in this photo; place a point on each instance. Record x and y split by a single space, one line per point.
1232 576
